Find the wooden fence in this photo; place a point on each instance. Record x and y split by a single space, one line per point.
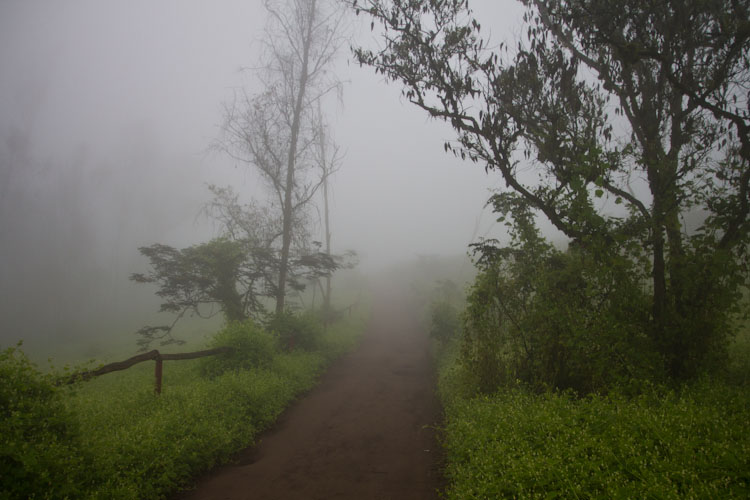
146 356
160 358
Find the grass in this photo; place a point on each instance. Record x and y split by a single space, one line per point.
145 445
663 444
124 442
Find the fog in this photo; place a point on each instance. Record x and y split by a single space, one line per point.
107 111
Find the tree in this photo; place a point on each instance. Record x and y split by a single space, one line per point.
274 131
233 274
328 159
613 119
196 279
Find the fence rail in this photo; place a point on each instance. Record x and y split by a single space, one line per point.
140 358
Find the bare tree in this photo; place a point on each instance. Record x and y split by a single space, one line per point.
328 161
275 131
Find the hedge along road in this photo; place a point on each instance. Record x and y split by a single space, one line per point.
365 432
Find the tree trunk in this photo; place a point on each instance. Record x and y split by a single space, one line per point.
659 266
288 214
327 296
668 269
326 220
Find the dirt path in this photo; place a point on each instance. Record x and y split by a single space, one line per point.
364 433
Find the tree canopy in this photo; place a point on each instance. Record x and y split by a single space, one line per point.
624 123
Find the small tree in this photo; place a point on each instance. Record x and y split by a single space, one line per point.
235 274
198 277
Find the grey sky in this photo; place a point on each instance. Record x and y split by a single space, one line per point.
121 99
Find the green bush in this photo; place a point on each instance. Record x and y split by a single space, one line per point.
113 438
252 347
588 319
145 446
559 320
297 331
444 320
739 355
579 319
662 444
40 455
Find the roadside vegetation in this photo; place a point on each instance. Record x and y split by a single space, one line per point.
634 438
645 440
113 438
615 367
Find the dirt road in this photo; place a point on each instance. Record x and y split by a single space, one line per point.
364 433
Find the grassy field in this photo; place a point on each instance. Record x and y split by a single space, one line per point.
680 443
114 438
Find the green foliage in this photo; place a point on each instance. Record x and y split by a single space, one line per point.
739 353
701 319
515 444
144 445
657 189
40 453
444 319
113 438
201 275
337 338
662 443
252 346
236 273
550 319
454 382
295 331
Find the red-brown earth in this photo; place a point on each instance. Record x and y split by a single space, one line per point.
367 431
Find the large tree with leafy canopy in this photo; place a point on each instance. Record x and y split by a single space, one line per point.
623 122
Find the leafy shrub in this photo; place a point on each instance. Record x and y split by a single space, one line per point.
138 445
301 331
577 320
444 322
145 446
253 347
338 338
558 320
40 455
589 319
661 444
739 355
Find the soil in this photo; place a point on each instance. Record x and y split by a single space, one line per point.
367 431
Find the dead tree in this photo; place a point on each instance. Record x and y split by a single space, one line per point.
274 131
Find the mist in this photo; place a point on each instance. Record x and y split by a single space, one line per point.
107 112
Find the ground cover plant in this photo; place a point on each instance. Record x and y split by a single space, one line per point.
114 438
516 444
688 441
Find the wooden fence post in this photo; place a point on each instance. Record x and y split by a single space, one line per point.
157 373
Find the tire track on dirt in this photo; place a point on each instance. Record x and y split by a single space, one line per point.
365 432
